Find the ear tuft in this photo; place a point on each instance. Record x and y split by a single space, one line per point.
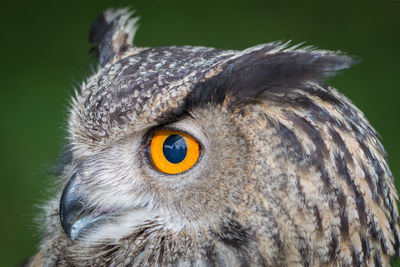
112 33
253 71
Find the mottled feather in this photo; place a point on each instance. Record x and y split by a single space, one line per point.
291 172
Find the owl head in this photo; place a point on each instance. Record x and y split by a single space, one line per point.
201 156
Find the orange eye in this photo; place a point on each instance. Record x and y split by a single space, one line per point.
173 151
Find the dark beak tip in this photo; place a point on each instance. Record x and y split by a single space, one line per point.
71 206
74 215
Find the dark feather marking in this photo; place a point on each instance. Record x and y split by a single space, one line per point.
373 228
318 155
378 260
371 184
316 213
352 122
383 244
393 227
333 247
161 252
324 94
393 224
344 221
318 218
396 244
278 242
318 113
381 188
290 142
304 251
365 247
300 191
146 234
355 257
246 77
142 232
315 136
377 167
353 117
211 256
358 196
234 234
337 139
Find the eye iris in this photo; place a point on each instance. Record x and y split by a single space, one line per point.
175 148
173 152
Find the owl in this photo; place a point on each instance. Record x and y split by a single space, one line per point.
195 156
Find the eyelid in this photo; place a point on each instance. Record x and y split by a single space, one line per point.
178 129
150 133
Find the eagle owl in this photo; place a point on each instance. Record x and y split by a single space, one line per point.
196 156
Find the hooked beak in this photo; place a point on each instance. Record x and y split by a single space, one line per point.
74 216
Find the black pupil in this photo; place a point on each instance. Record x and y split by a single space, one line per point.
174 148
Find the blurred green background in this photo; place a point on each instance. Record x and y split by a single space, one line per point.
44 55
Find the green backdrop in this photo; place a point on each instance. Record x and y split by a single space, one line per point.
44 55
